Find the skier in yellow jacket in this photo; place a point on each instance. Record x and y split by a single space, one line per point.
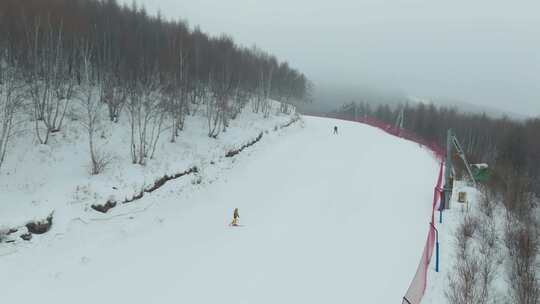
236 216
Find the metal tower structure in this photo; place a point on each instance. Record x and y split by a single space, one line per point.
452 143
400 119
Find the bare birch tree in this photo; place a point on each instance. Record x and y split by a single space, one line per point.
146 117
12 92
92 108
51 86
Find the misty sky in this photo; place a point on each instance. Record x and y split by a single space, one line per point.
477 51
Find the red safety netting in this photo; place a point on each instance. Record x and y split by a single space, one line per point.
419 282
418 285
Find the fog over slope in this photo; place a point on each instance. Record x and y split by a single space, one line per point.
483 52
328 98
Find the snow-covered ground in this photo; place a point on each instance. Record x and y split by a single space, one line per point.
439 283
326 219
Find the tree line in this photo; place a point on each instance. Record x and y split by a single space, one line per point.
512 150
153 71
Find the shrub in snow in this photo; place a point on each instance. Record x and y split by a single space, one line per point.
489 250
99 162
523 244
197 180
468 226
464 281
464 284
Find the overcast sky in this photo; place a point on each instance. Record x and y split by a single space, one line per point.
478 51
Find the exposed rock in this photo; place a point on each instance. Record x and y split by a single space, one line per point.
295 119
40 227
26 236
105 207
159 183
134 198
249 144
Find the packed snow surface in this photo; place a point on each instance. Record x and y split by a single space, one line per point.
325 219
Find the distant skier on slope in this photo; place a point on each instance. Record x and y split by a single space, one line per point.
335 130
236 216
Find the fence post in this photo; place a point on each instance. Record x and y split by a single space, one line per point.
448 169
442 197
436 247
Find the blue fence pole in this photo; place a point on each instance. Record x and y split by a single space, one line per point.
436 248
442 203
437 256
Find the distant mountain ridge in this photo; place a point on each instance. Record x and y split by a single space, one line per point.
329 98
466 107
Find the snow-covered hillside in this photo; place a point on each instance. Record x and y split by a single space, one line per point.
37 180
325 219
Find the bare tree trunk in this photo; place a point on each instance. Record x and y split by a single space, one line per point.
92 105
146 113
51 84
12 91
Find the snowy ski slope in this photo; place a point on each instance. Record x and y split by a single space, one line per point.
326 219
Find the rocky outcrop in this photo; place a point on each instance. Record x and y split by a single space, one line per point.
105 207
288 124
40 227
234 152
26 236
